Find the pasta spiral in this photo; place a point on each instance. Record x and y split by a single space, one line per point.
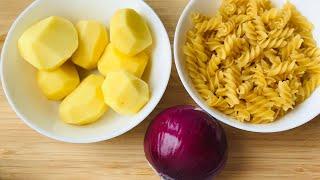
249 56
281 33
282 68
242 114
310 65
209 25
268 16
300 22
197 17
273 43
228 9
260 108
264 4
312 52
259 77
252 9
260 29
294 44
286 96
245 88
230 43
308 40
225 28
213 65
283 18
231 86
308 87
213 44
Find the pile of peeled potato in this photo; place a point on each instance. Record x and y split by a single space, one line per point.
55 47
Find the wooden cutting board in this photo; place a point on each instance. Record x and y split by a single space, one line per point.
25 154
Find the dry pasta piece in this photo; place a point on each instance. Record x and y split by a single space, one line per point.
228 9
264 4
272 57
308 86
281 33
213 65
283 18
268 16
241 10
245 88
271 43
312 52
209 25
282 68
215 101
249 56
225 28
259 77
294 44
310 65
230 43
260 109
250 32
286 96
213 43
300 22
231 86
260 29
272 95
197 17
242 114
308 39
252 8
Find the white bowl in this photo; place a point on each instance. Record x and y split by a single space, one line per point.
24 96
301 113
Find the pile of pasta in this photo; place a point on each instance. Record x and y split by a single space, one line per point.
252 61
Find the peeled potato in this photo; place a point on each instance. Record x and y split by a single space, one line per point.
58 83
85 104
129 32
125 93
49 43
93 39
114 60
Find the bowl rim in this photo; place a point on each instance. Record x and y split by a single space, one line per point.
51 135
257 128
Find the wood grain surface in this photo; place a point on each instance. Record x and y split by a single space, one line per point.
25 154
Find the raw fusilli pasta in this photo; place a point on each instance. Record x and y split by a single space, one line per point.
252 61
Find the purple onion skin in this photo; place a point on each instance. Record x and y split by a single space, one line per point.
185 143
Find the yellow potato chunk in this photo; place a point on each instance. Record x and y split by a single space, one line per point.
85 104
129 32
125 93
93 38
58 83
49 43
114 60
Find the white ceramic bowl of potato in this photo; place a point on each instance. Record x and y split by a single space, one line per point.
26 99
301 114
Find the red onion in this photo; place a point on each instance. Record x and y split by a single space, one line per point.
185 143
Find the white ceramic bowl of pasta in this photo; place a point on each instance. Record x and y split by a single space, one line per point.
24 96
301 114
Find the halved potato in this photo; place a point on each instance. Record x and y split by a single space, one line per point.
129 32
93 38
58 83
85 104
114 60
125 93
49 43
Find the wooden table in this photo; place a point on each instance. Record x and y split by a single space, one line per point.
25 154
